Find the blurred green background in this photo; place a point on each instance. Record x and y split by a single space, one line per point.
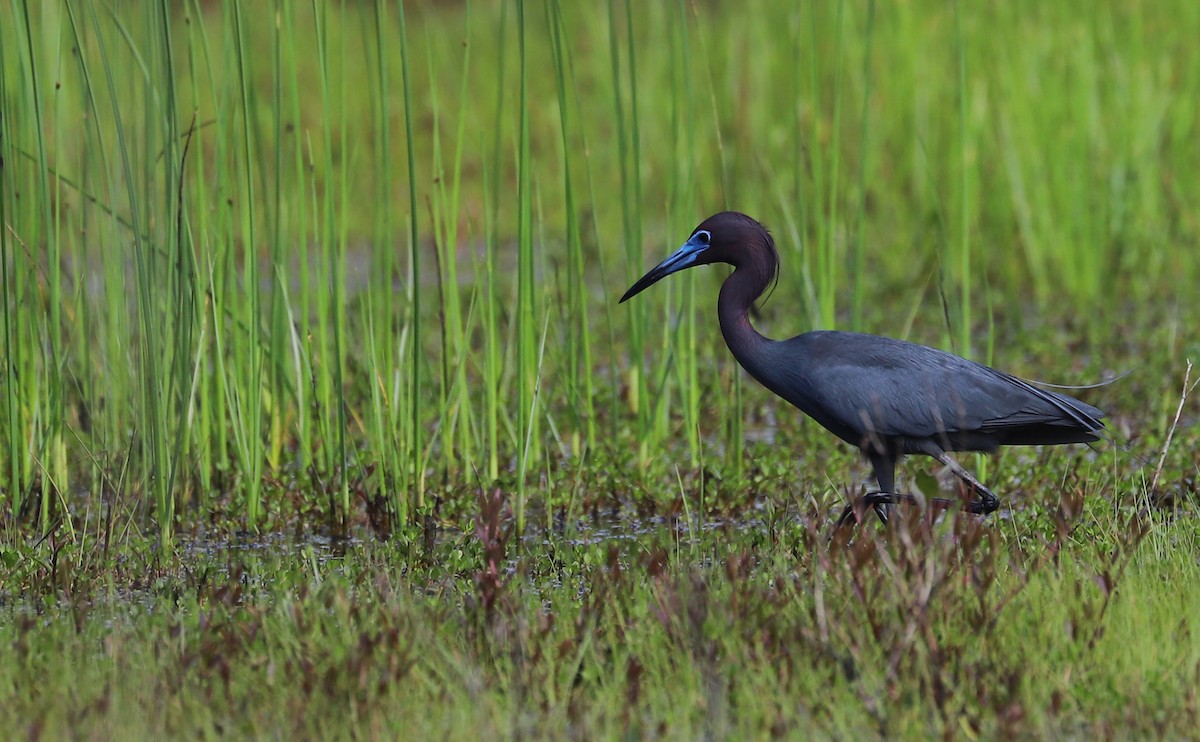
332 258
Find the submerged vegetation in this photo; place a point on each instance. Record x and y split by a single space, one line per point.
319 415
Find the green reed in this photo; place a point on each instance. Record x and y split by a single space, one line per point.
375 250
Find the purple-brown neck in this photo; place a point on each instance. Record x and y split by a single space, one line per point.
754 270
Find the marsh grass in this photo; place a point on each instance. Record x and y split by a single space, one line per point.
338 269
956 628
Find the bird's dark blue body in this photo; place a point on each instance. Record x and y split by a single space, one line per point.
888 397
910 394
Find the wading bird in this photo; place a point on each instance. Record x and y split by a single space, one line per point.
887 397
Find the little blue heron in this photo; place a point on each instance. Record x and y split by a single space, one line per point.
887 397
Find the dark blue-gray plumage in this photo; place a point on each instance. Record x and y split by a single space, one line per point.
887 397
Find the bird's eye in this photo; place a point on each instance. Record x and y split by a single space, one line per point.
704 236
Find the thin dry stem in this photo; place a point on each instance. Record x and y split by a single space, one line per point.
1187 390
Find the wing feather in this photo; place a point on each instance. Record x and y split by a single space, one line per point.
864 384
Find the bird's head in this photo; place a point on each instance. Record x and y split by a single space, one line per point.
728 237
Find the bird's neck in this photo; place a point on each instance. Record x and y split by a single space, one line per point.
733 308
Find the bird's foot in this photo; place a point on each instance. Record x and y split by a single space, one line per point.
986 504
856 510
879 501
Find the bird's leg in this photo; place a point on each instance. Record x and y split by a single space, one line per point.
987 502
885 474
884 465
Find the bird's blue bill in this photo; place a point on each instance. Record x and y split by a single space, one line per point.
685 257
